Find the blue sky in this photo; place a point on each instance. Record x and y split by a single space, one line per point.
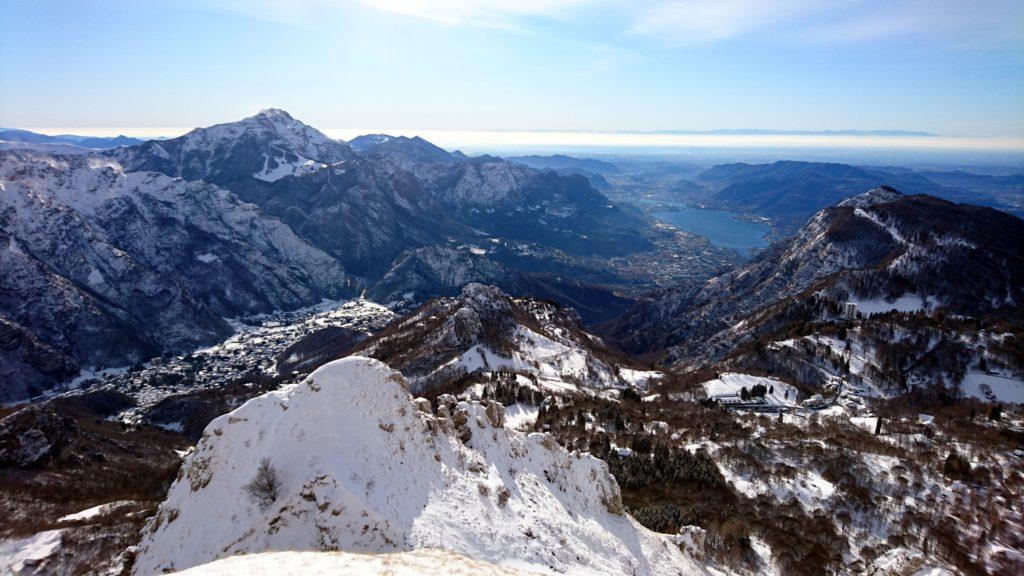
943 66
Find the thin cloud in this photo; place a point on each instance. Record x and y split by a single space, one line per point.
496 13
951 23
479 13
955 24
715 20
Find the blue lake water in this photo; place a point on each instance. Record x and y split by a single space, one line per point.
720 227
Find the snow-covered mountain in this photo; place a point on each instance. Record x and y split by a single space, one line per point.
268 146
403 149
359 467
145 249
366 206
484 329
104 266
34 139
877 248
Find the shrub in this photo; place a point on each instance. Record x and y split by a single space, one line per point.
264 486
957 466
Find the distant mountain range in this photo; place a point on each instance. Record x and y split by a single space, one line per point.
789 192
563 162
90 142
765 132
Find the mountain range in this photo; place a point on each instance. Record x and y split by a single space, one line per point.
789 192
881 249
70 140
136 251
381 354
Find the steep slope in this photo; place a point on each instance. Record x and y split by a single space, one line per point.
484 329
106 266
361 468
512 201
363 212
355 208
424 273
877 247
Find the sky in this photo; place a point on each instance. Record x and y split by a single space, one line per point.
949 67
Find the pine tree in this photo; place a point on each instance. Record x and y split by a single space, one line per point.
996 412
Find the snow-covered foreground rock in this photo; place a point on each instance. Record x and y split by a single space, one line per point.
415 563
361 469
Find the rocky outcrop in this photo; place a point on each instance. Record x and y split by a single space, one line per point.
360 469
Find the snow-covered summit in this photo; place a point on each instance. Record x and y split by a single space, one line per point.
295 133
267 146
362 468
879 195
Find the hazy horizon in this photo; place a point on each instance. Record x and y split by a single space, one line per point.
910 149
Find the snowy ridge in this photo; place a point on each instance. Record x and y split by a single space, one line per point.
555 364
484 329
363 470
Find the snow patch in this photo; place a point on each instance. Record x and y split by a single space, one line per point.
95 277
727 387
207 258
95 511
992 387
20 555
905 303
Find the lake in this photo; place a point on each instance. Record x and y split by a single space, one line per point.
722 228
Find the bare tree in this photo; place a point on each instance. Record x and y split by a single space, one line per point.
264 486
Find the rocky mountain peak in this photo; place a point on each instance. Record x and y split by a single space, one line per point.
273 113
484 329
